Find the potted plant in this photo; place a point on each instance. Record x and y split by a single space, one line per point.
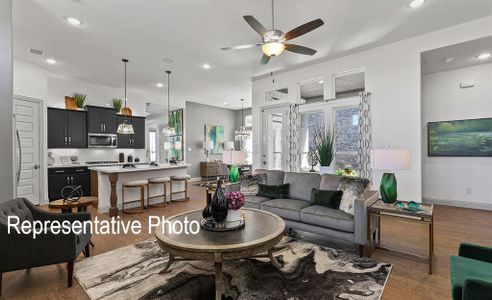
324 141
235 200
70 103
117 103
79 99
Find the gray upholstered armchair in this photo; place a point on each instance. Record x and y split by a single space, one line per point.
22 251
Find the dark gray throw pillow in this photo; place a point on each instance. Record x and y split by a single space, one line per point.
327 198
273 191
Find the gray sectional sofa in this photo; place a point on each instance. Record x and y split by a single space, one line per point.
299 214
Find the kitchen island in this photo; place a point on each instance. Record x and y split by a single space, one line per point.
110 179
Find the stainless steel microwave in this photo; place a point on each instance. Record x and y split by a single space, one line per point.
103 140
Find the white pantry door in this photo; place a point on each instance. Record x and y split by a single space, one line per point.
28 148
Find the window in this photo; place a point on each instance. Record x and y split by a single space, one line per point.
308 121
349 84
276 95
248 144
346 131
152 144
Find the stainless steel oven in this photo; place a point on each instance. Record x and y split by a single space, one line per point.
103 140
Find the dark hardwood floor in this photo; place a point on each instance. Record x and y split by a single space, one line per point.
408 278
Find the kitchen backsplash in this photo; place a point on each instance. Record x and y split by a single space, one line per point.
85 155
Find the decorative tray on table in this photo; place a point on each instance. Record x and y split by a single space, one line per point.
209 224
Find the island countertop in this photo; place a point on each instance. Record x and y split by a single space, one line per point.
138 168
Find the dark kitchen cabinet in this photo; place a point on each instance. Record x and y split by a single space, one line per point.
58 178
67 128
101 119
136 140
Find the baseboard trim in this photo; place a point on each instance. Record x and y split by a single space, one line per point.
459 203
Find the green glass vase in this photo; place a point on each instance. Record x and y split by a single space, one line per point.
234 174
387 189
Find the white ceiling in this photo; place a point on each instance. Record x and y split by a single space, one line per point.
463 55
191 32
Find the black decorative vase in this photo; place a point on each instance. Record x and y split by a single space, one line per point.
219 204
207 211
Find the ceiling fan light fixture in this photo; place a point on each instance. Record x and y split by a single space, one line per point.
273 48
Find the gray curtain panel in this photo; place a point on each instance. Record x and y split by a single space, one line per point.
294 137
364 137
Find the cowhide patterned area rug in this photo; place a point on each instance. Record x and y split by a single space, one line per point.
309 272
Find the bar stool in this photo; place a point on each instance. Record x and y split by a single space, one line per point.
133 185
158 180
179 178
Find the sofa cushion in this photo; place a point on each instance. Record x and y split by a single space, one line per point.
256 200
249 183
289 209
353 188
301 184
327 198
274 177
273 191
330 182
328 217
462 268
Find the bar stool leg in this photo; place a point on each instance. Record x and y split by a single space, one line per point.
122 198
164 195
142 197
170 191
148 195
186 190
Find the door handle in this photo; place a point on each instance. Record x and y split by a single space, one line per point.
66 140
104 127
36 167
19 160
69 140
101 127
71 179
68 180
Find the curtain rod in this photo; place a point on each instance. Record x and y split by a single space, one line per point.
326 100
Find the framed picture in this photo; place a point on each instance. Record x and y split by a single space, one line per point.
216 135
471 137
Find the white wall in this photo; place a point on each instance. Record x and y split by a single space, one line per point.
30 80
6 121
393 77
464 181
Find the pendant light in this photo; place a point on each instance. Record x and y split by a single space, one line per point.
168 130
125 128
243 133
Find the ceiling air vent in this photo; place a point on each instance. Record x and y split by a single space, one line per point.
36 52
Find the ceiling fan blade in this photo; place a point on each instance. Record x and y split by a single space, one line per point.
300 49
241 47
255 24
264 59
303 29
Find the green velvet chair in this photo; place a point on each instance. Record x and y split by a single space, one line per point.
471 273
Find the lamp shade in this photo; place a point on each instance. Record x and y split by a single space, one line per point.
167 145
229 145
208 145
390 159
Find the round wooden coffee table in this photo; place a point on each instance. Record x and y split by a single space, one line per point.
67 206
263 230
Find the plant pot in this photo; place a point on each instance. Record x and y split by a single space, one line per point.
70 103
327 169
126 111
233 215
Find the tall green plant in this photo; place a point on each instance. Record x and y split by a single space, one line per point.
79 99
324 141
117 103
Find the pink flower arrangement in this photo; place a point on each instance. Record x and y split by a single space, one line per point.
235 200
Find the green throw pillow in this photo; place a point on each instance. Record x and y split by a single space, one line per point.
330 199
273 191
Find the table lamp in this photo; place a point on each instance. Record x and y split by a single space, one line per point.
207 146
389 160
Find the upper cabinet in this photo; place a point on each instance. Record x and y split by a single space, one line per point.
101 119
67 128
136 140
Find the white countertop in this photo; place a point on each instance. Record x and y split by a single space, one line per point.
80 165
139 168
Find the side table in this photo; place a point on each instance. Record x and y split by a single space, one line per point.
380 209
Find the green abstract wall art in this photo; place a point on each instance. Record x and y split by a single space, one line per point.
460 138
215 134
176 121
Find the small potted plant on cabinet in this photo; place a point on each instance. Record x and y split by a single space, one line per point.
117 103
79 99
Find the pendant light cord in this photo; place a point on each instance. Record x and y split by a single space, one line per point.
168 92
125 61
273 16
242 112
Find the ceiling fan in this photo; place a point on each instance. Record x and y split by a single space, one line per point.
273 40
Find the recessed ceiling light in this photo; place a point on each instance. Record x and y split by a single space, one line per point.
73 21
226 104
51 61
483 56
320 81
159 85
416 3
206 66
449 60
167 60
